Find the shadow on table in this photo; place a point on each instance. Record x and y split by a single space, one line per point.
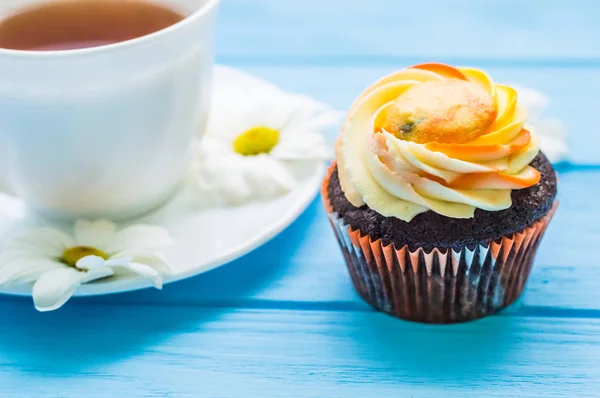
87 332
79 337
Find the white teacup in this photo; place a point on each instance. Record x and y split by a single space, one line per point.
105 131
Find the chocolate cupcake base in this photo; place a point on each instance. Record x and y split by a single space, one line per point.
437 285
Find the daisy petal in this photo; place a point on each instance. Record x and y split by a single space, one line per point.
47 242
213 187
244 179
97 273
282 110
221 179
269 178
18 269
552 139
209 146
140 239
296 145
326 118
147 272
90 262
156 262
315 116
240 94
300 107
94 233
153 260
119 262
54 288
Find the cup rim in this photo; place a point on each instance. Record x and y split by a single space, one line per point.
208 6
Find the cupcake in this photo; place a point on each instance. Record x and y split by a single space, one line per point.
439 195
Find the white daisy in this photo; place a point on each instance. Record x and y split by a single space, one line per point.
255 137
58 263
551 131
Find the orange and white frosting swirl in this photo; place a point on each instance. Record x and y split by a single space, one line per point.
435 137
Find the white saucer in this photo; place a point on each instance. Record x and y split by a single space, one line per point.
205 238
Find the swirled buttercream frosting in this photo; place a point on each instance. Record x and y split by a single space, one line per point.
433 137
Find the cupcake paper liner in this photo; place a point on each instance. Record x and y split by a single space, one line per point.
443 285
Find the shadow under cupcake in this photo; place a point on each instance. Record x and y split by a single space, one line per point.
438 231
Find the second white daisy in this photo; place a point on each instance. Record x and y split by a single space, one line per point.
256 135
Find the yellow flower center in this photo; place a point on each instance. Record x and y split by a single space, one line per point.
72 255
256 140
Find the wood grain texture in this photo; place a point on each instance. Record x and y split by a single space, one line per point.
131 351
284 321
526 32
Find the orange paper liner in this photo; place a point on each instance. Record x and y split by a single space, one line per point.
444 285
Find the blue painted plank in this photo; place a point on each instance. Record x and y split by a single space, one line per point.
132 351
341 348
553 31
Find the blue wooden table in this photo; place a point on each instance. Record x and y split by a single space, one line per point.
284 321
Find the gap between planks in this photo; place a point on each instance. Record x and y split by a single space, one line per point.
350 60
517 309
